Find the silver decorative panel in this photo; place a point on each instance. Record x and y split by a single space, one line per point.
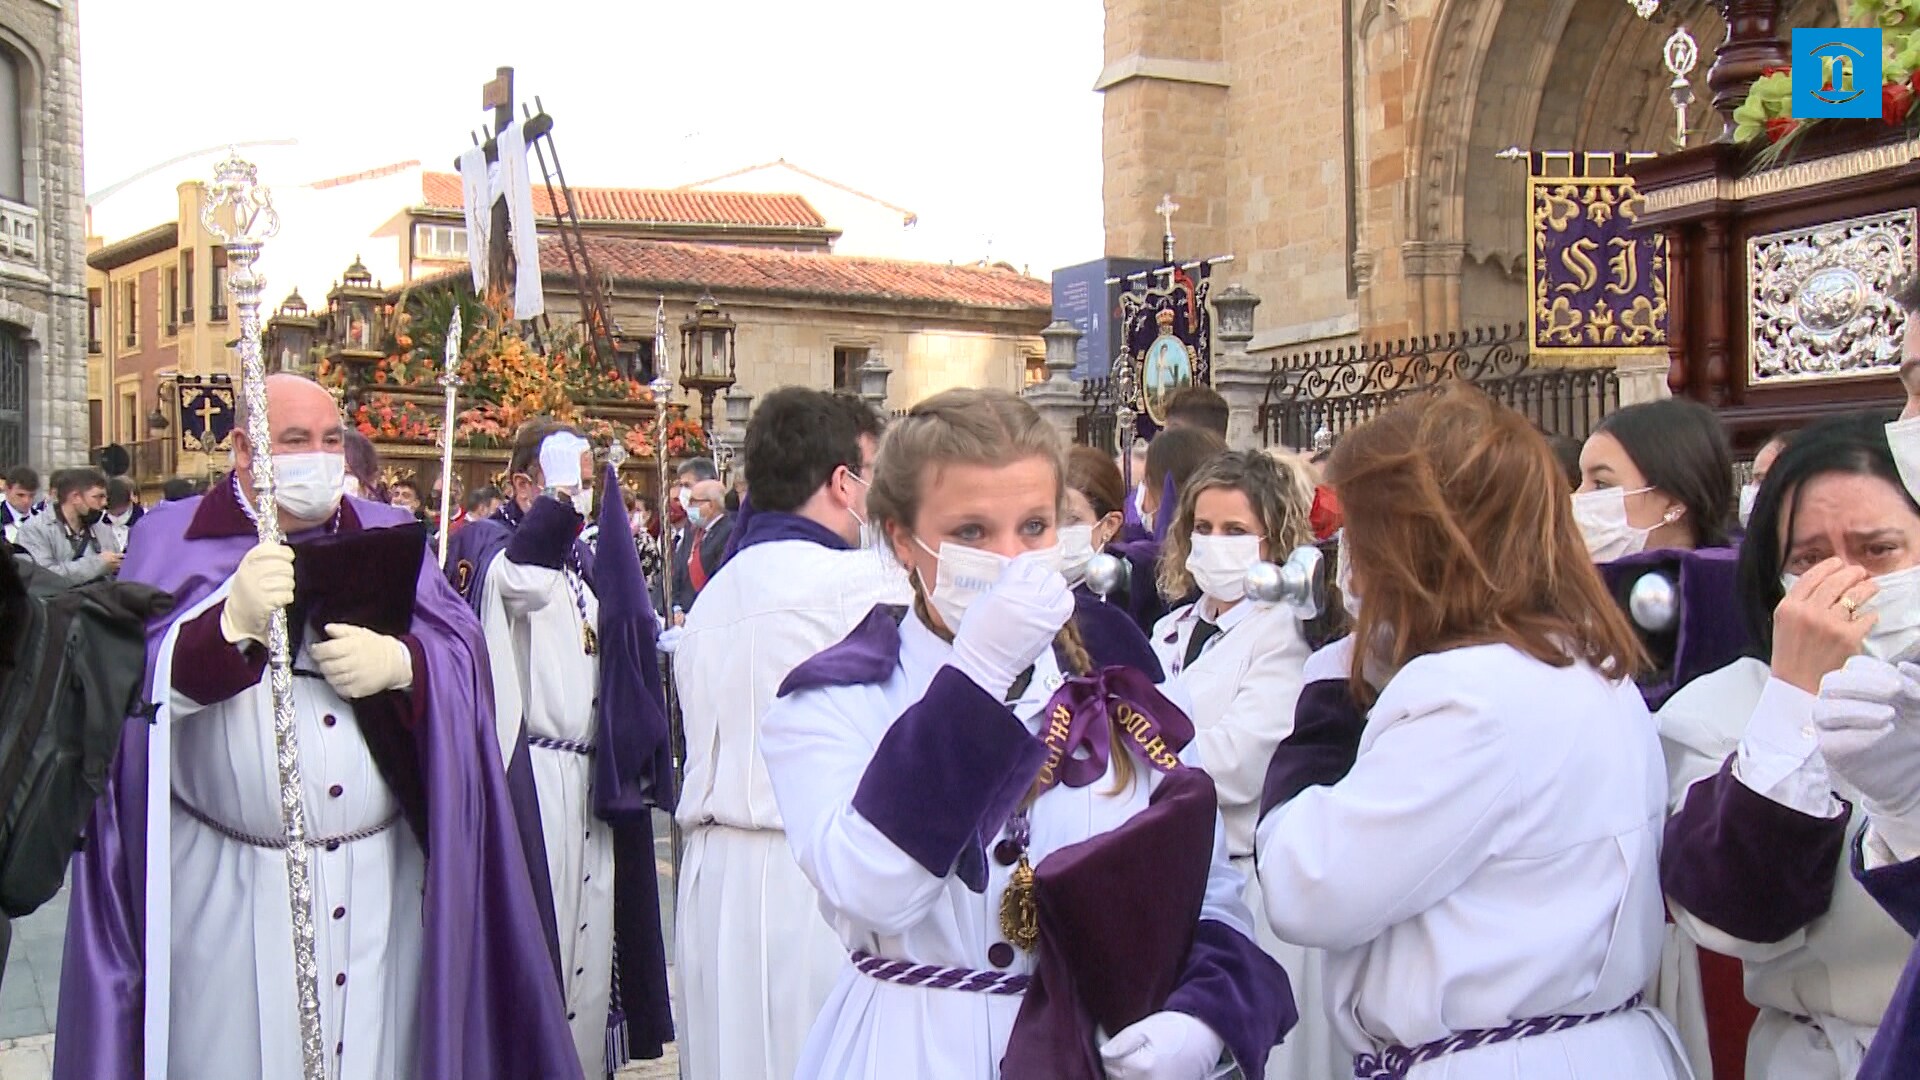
1819 299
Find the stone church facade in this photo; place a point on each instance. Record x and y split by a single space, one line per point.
43 299
1345 152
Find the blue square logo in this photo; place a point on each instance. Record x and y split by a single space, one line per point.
1836 73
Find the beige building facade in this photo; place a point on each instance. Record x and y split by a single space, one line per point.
1347 154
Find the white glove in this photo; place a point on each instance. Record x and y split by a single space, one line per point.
670 639
262 583
1868 716
1009 626
1164 1046
560 459
359 663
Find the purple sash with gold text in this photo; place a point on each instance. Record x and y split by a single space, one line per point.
1077 731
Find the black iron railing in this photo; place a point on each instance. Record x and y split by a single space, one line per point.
1313 397
1096 426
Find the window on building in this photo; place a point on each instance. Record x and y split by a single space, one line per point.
13 156
129 416
96 423
186 288
129 313
439 242
13 394
217 305
1036 370
846 368
93 323
170 291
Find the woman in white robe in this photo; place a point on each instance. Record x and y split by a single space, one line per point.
898 757
1240 662
1758 853
1485 877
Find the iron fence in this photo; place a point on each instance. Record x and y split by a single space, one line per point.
1313 397
1097 425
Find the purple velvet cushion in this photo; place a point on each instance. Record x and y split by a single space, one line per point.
1118 913
367 578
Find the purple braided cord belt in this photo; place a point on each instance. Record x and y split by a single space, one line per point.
584 749
279 843
935 977
1395 1062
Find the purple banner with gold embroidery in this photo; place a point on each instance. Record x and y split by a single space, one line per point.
1598 281
1169 335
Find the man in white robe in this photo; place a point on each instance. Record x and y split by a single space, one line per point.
541 618
179 959
755 958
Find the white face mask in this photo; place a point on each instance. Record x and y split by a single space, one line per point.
1602 518
1219 565
309 486
869 536
965 574
1896 636
1748 493
685 497
1343 579
1076 551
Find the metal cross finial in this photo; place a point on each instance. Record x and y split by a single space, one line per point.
236 186
1166 210
1681 53
616 454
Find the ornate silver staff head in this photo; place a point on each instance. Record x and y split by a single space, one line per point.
236 189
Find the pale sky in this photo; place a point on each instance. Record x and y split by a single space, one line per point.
980 117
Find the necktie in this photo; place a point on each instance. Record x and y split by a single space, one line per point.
695 572
1203 632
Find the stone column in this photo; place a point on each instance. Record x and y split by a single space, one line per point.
1238 376
1643 377
873 381
1058 396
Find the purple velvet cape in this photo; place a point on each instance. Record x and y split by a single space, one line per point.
633 768
1321 749
924 791
489 1008
1895 1052
1711 632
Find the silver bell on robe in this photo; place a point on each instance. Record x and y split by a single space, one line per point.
1296 583
1654 603
1105 574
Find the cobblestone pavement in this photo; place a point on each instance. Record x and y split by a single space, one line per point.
30 988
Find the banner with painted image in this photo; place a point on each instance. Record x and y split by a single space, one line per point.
1598 281
1168 331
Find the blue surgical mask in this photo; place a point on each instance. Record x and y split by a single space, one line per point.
694 516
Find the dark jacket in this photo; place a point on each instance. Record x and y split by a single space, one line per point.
713 550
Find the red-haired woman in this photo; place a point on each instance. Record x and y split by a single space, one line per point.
1485 878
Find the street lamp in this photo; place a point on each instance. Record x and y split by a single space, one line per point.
290 336
706 354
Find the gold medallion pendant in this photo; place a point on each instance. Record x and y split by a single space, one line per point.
1019 914
589 641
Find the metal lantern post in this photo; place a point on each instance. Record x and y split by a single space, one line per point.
240 213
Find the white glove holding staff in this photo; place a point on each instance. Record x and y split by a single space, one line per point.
1164 1046
1009 626
262 582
